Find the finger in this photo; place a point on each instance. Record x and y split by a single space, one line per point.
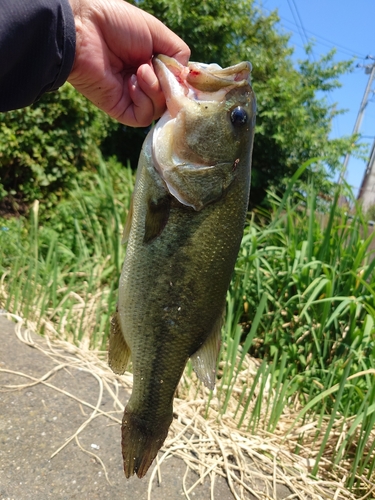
173 47
149 84
140 111
165 41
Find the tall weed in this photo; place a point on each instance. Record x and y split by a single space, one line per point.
66 269
303 293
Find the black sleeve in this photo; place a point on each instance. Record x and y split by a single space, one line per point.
37 47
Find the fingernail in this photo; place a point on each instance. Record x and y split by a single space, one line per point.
133 80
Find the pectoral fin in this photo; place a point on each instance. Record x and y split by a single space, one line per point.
156 218
118 350
128 222
204 360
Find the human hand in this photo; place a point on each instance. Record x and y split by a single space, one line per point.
115 42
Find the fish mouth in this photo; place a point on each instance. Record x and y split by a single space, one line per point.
197 98
197 81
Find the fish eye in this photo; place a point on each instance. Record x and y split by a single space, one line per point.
238 116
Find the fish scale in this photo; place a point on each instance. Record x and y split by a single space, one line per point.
188 212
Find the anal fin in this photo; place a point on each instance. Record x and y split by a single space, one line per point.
118 350
204 360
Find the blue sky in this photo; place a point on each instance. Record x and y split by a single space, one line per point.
349 26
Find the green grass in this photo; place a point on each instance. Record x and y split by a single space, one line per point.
303 293
65 270
298 357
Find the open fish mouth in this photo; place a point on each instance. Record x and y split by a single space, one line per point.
201 100
197 81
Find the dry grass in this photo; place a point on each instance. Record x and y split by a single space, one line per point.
213 446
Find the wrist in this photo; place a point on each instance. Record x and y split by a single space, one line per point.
75 5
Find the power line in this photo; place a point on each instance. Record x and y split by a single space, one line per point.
332 44
329 43
299 19
335 123
302 34
338 46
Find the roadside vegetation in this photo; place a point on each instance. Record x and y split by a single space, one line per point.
298 351
298 355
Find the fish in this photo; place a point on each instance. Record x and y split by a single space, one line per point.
183 234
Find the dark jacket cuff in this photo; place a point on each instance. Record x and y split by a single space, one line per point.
37 47
68 45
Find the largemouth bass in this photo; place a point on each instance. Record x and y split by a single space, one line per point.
184 232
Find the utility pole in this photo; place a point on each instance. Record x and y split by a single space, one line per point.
370 70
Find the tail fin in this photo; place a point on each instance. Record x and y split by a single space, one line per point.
141 442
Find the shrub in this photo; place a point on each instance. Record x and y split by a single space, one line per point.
44 146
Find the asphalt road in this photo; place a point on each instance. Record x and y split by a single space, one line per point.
36 420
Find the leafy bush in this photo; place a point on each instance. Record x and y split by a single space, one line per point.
44 146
